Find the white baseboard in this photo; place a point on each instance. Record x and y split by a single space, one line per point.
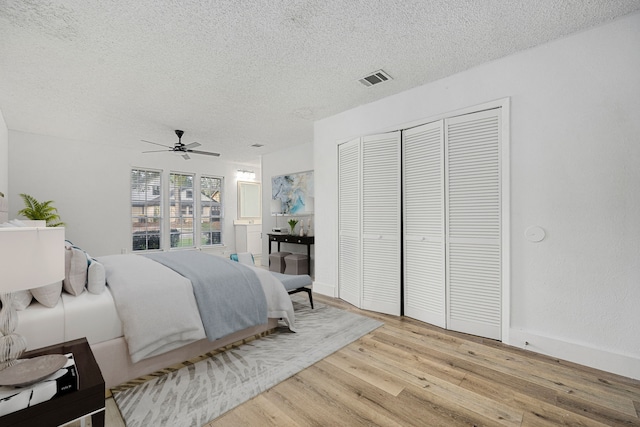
621 364
325 289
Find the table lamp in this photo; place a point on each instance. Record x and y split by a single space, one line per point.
30 257
276 209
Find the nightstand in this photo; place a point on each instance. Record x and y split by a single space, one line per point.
87 400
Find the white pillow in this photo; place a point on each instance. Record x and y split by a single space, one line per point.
95 277
75 276
48 295
22 299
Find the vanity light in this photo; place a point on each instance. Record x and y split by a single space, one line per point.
246 174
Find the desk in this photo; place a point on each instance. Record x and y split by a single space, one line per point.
296 240
87 400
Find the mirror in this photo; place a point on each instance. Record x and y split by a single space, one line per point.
249 200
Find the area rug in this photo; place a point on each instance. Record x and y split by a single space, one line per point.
200 392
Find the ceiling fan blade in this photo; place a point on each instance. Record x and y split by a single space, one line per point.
193 145
186 156
155 143
206 153
157 151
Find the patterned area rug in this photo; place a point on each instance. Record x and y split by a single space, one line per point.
198 393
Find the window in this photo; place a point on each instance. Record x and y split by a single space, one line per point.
146 212
181 210
210 210
187 205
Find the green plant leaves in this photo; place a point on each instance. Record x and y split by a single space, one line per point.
36 210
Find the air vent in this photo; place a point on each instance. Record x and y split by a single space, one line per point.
375 78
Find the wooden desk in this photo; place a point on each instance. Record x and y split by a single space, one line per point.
296 240
87 400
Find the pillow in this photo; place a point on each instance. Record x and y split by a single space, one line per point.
22 299
243 258
75 277
48 295
95 277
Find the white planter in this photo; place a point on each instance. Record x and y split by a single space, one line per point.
34 222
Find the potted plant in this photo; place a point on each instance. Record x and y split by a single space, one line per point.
292 225
40 211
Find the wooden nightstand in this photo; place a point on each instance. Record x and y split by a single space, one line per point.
87 400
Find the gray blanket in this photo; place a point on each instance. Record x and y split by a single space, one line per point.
229 295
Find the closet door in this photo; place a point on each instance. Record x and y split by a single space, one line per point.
472 191
349 283
424 261
381 220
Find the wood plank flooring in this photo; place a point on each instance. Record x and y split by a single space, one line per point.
407 373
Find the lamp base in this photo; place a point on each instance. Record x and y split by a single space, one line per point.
28 371
11 347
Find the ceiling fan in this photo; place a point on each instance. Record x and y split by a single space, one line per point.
179 147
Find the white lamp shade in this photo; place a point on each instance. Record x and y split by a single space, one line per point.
276 206
30 257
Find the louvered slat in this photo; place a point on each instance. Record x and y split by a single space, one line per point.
424 270
349 271
381 184
473 223
349 283
379 274
381 197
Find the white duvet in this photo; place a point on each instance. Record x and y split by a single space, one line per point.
158 308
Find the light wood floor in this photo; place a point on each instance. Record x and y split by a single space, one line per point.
407 373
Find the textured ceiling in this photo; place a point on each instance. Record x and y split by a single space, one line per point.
234 73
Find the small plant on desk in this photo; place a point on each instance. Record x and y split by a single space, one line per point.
292 225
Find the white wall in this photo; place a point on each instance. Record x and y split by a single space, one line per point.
291 160
575 171
90 185
4 167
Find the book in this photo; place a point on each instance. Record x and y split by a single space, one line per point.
64 380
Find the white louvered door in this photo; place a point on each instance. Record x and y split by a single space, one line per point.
381 222
429 201
424 260
349 265
473 223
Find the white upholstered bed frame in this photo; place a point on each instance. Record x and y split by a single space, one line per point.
116 366
95 317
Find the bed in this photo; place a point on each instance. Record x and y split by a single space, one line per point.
160 309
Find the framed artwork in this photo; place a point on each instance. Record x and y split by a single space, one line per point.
294 192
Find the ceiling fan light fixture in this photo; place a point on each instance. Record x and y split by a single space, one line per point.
179 147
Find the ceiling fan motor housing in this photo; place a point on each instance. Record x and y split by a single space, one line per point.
183 148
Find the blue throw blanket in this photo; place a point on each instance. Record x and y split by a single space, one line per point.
229 295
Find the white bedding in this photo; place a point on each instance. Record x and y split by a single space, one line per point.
91 316
155 304
279 304
96 317
86 315
158 308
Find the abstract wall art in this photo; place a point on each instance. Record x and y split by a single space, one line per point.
295 192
